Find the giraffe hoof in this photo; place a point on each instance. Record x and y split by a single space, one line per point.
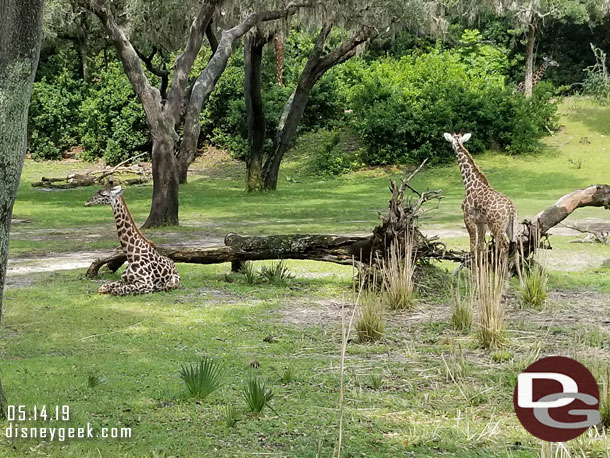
103 289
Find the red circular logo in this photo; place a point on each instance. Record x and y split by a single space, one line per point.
556 399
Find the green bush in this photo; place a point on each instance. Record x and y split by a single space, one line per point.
103 114
402 107
53 117
113 120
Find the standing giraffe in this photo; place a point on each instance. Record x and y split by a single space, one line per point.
538 74
147 271
483 206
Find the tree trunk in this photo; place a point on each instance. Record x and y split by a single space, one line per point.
592 196
253 57
164 207
318 63
529 57
291 116
21 25
205 83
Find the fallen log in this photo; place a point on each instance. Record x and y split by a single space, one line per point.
597 195
365 250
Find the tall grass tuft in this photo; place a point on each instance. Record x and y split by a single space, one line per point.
489 280
397 273
534 288
371 322
256 394
277 274
202 378
463 306
604 399
230 416
250 273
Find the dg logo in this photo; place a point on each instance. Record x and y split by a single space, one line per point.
557 399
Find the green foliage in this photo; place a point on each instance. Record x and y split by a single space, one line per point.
597 81
114 123
277 273
202 378
402 107
93 380
54 110
256 394
230 416
250 273
103 114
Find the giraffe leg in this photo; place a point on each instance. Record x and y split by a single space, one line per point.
471 227
132 288
481 229
109 287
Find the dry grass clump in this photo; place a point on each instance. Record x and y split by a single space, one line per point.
398 285
489 278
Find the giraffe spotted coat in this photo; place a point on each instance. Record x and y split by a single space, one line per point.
484 207
147 270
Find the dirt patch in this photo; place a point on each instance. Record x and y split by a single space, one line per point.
316 313
68 261
216 163
568 308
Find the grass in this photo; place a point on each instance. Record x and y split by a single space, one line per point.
488 284
535 285
397 272
370 325
463 305
56 330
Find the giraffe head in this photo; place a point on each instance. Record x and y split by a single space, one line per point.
457 140
550 62
105 196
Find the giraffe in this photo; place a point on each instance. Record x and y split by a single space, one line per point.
147 271
484 207
538 74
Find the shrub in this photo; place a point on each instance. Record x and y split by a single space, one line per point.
277 274
597 80
402 107
114 122
256 394
230 416
202 378
54 112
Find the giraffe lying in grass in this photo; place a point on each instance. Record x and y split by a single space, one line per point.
147 271
484 207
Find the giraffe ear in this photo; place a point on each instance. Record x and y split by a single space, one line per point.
448 137
465 137
116 191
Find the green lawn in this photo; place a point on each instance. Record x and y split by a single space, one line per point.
424 390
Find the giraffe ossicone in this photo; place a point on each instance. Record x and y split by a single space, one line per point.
147 271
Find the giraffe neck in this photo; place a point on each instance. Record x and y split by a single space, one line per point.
472 176
539 73
132 240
